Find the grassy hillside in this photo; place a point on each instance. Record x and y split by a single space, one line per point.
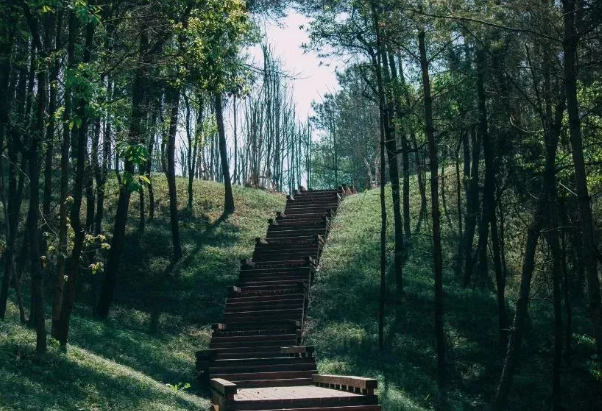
344 312
160 317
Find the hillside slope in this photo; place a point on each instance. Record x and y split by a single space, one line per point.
343 322
160 318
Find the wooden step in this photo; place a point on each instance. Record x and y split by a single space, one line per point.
335 408
265 298
287 382
260 343
223 371
268 375
239 362
295 403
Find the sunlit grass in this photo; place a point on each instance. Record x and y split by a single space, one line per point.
159 319
344 313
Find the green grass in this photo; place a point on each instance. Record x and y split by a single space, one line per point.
344 312
159 319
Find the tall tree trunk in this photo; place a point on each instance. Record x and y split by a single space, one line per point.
383 241
37 274
55 23
171 175
436 218
102 171
190 165
65 171
389 85
78 192
571 38
501 395
223 151
405 150
421 183
488 208
386 103
7 33
472 207
121 214
545 205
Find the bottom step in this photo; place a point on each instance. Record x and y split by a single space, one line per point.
350 408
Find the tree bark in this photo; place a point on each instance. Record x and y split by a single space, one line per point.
64 189
171 175
121 214
223 151
436 219
545 206
75 216
472 207
570 44
37 274
488 209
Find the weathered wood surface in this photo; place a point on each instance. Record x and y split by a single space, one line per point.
256 360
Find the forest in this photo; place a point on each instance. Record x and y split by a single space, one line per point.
142 152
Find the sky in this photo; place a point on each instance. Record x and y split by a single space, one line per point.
312 76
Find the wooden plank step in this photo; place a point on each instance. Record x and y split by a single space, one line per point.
276 375
259 319
310 207
224 370
263 313
307 240
272 289
298 225
336 408
262 361
233 355
254 269
292 403
275 302
287 255
285 305
313 249
297 273
281 231
257 344
263 298
288 382
274 278
243 338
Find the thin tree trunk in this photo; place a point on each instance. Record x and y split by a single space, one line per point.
389 98
571 38
472 207
488 208
501 395
121 214
75 216
64 189
545 205
383 242
223 151
171 175
190 165
436 218
37 274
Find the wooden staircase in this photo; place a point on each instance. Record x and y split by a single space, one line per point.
255 360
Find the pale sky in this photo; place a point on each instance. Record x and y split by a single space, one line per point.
311 79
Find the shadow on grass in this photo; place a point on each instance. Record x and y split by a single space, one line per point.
343 325
78 381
